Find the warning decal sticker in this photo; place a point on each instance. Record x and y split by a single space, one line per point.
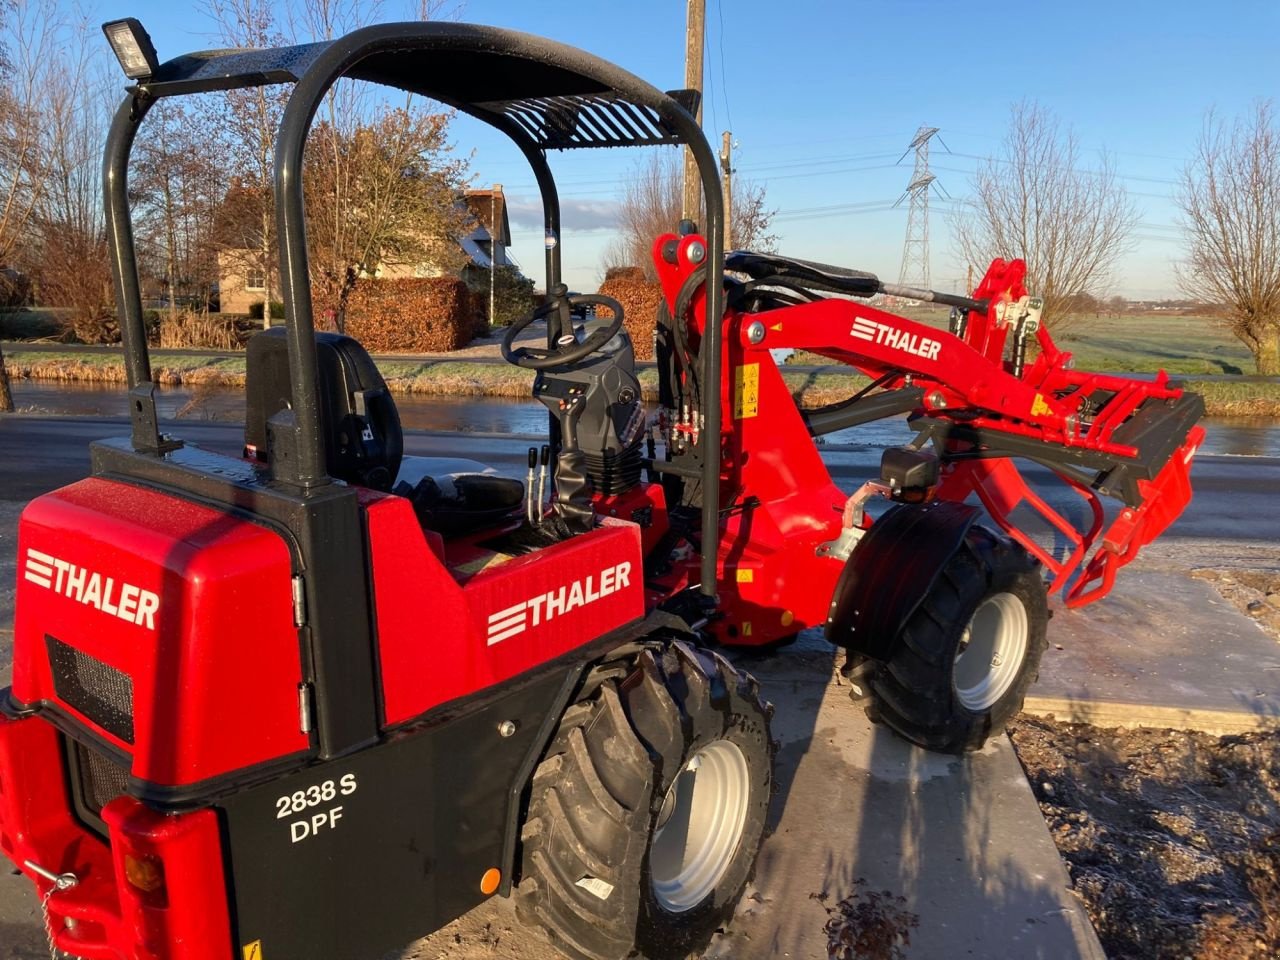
746 391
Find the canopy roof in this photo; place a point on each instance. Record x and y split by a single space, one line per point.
560 97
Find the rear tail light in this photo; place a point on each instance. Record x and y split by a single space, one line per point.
169 874
145 874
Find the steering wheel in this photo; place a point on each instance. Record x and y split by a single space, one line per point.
567 350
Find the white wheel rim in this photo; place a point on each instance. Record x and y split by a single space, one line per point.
992 649
700 826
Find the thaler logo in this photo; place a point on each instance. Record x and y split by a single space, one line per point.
876 332
122 600
547 606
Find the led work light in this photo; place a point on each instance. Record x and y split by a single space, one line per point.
133 48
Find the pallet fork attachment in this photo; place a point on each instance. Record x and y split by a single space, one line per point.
1085 568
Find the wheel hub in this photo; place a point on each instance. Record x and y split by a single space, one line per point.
991 652
699 826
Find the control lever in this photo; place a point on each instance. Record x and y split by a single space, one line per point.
542 479
528 485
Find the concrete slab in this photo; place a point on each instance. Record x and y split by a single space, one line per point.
1195 662
961 840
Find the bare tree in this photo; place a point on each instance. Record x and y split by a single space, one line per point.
253 118
1230 200
71 267
651 206
30 33
379 184
384 195
1033 201
180 184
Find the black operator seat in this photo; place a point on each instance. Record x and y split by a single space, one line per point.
364 442
804 273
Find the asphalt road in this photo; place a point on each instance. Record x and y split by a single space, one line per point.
1235 497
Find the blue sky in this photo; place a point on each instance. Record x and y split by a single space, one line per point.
822 99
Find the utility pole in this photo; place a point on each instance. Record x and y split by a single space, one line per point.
726 174
494 233
695 32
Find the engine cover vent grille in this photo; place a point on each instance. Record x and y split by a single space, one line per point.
98 779
99 691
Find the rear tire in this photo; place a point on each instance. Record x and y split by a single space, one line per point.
600 870
968 654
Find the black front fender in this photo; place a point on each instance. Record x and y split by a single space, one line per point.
890 572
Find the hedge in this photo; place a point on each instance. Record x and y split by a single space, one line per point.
512 294
413 315
257 308
640 299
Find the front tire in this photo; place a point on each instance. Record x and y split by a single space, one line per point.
961 669
648 811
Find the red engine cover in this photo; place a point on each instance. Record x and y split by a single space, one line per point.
439 640
192 605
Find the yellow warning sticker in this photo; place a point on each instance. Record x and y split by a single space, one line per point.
746 391
746 628
1039 408
746 576
252 951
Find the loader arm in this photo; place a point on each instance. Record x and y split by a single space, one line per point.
991 390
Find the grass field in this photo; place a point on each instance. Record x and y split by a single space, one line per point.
1148 342
1130 343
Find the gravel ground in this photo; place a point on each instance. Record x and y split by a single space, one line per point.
1256 593
1172 838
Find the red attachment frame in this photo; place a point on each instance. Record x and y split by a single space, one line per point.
1002 489
968 382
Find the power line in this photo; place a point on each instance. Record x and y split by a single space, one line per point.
614 183
1084 172
724 84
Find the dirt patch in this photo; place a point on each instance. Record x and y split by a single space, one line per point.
868 925
1172 838
490 932
1255 593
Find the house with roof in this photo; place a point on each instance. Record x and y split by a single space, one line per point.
242 277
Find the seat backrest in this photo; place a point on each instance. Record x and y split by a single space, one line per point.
360 425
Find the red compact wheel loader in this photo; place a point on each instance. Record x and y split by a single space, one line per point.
318 700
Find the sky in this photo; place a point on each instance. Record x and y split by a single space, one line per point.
822 99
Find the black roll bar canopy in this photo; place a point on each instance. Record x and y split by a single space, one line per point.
543 95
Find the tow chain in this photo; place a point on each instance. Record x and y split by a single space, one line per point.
58 882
